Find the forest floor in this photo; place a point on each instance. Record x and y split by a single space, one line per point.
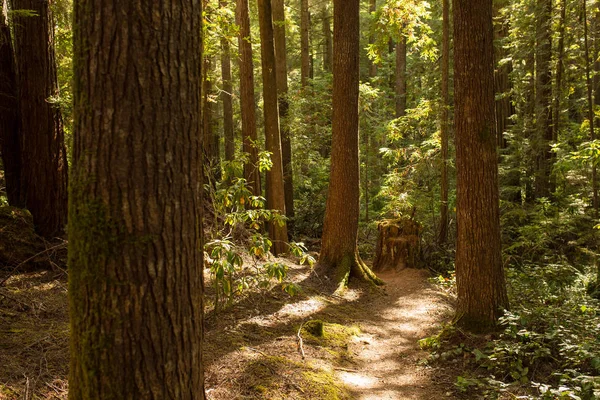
368 348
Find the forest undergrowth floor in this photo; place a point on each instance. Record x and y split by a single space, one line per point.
367 349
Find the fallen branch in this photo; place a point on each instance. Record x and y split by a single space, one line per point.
2 282
300 346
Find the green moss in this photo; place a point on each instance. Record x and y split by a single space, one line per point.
331 335
322 385
314 327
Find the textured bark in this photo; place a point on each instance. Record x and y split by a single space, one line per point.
226 95
275 186
327 39
304 45
282 94
10 145
543 99
590 109
443 235
43 152
401 77
339 252
247 100
135 259
479 273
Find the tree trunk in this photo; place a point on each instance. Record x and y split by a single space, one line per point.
10 144
43 160
502 83
543 99
282 93
559 71
247 100
372 66
304 45
479 273
339 252
209 135
444 123
401 77
327 39
275 186
135 215
226 95
398 244
590 109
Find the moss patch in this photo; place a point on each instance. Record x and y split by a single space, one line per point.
280 378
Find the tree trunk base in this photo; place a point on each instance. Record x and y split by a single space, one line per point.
398 245
349 268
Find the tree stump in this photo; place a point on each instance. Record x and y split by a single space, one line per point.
398 244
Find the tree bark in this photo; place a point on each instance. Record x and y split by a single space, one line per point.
226 95
10 144
401 77
339 252
559 70
247 100
372 66
275 186
135 215
543 99
444 123
43 152
209 135
282 93
327 39
502 83
479 273
304 45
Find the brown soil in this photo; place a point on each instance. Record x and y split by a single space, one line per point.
368 350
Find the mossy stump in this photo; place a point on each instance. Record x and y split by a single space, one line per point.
19 244
398 244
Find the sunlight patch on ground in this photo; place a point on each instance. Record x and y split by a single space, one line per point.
358 381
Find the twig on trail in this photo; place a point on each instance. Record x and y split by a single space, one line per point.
345 369
258 351
300 346
2 282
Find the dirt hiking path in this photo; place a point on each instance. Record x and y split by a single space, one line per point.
389 357
253 350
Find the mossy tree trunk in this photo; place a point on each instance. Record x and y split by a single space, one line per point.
275 185
43 152
479 272
247 101
10 144
135 219
339 252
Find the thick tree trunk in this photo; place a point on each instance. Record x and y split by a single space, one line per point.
543 99
10 144
444 123
275 186
304 45
226 95
135 238
401 77
247 100
327 39
44 160
479 273
339 252
282 93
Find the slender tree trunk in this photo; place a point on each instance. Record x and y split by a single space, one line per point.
282 93
10 144
559 70
543 98
590 107
226 95
479 273
275 185
304 44
210 145
43 161
502 83
372 66
401 77
444 123
327 39
247 100
339 252
135 215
